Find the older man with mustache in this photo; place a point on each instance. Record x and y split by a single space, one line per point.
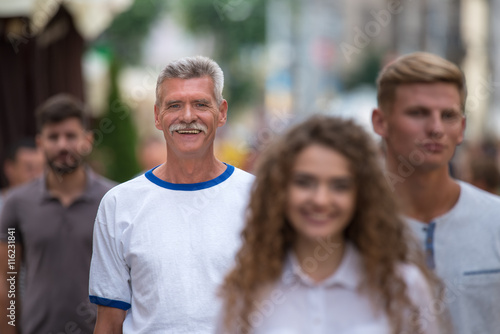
164 240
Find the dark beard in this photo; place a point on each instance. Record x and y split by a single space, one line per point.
66 168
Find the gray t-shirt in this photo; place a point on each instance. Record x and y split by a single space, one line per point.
463 246
57 248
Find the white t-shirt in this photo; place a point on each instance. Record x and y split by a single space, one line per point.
297 305
162 249
464 247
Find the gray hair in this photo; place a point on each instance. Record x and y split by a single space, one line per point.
193 67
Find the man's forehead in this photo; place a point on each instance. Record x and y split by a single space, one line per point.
73 123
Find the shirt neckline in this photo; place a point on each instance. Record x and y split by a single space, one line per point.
348 273
190 186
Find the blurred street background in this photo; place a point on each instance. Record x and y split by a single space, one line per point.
283 60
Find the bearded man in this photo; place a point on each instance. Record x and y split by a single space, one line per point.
47 225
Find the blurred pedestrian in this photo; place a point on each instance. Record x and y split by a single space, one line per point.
151 153
47 225
23 163
485 174
420 115
163 240
324 247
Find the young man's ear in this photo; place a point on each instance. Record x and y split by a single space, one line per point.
379 122
463 125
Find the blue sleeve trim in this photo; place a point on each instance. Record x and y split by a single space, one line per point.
109 302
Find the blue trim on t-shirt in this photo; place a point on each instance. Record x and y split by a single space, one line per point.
482 272
109 302
190 186
429 245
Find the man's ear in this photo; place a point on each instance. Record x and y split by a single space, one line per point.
157 117
462 134
223 113
379 122
88 143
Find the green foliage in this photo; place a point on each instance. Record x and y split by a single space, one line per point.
128 30
366 73
117 134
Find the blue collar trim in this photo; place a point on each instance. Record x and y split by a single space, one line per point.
190 186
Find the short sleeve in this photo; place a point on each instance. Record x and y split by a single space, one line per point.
432 314
109 283
9 220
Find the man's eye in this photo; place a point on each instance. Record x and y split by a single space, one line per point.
415 112
174 106
201 105
450 115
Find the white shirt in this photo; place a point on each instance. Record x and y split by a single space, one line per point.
298 305
464 246
162 249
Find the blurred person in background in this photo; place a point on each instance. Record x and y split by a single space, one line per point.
485 174
164 240
324 247
151 153
420 116
23 163
47 226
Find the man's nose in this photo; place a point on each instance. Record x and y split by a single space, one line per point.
187 114
435 125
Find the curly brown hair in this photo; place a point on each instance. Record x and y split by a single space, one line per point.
376 229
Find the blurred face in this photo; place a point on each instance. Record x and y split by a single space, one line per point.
424 126
27 166
64 145
189 116
321 194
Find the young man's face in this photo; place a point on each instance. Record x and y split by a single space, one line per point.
65 144
189 116
424 125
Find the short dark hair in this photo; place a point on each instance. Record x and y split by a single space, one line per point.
58 108
13 148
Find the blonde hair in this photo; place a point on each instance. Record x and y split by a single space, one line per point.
418 67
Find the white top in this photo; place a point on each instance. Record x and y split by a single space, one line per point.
162 249
464 247
298 305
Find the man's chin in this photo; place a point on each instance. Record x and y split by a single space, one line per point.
63 169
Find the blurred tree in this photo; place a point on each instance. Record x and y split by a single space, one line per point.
127 32
116 134
239 26
366 73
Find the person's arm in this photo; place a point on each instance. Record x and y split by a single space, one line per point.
109 320
9 288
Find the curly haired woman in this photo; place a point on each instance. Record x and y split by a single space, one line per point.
324 249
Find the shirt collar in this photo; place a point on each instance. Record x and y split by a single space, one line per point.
90 179
348 274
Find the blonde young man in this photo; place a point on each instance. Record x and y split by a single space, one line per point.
420 116
164 240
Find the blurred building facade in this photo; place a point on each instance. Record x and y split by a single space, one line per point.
316 46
